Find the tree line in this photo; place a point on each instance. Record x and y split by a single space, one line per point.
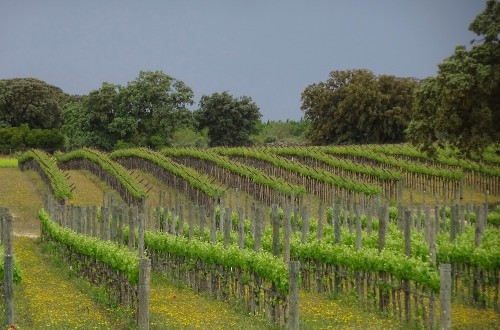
459 108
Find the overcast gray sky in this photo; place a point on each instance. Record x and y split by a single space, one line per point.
270 50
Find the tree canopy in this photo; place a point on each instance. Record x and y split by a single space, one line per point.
460 107
230 121
356 106
146 112
30 101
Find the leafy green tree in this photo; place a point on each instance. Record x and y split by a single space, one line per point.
151 108
86 121
230 121
146 112
30 101
460 107
355 106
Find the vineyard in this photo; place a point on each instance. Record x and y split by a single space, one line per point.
410 239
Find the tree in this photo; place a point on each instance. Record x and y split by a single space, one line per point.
146 112
355 106
87 121
460 107
30 101
151 108
75 126
230 121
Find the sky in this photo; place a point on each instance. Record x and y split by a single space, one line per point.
269 50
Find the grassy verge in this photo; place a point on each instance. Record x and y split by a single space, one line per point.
179 307
8 162
49 299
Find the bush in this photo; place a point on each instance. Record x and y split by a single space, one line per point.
13 139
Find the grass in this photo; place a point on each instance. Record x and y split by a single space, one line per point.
320 312
89 189
179 307
6 162
21 193
50 300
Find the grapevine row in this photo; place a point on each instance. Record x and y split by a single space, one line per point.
102 262
199 187
264 188
388 180
434 180
477 175
103 167
49 172
317 181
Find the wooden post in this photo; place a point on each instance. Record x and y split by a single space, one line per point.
227 227
321 219
241 229
159 224
407 233
293 295
173 220
276 230
202 222
479 225
287 232
369 222
436 216
432 239
382 223
406 283
213 225
144 292
114 223
104 222
454 223
445 296
8 274
131 232
164 220
8 247
358 229
221 215
8 287
479 228
191 221
305 224
442 227
180 230
419 219
141 220
119 234
258 229
336 223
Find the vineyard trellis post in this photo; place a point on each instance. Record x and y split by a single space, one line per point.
293 299
144 292
144 271
8 275
445 296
